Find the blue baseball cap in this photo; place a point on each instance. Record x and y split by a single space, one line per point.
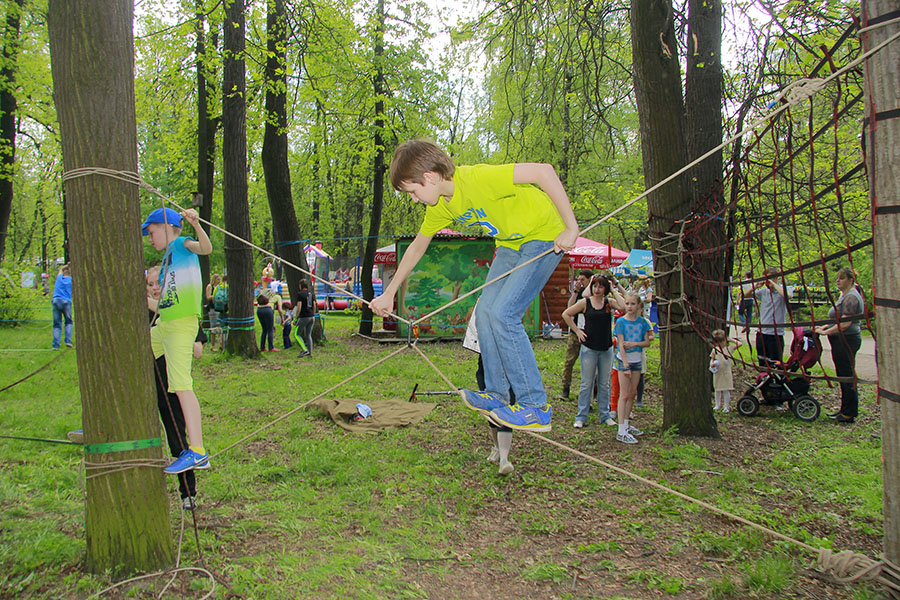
161 215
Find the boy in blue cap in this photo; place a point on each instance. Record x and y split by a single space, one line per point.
524 207
179 310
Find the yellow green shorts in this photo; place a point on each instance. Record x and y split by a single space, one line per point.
175 339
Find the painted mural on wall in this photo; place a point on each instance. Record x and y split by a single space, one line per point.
449 269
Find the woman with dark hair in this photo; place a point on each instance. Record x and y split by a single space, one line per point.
306 317
845 339
266 315
596 346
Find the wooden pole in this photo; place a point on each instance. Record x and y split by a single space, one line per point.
92 59
883 163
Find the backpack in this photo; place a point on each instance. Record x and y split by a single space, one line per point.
220 299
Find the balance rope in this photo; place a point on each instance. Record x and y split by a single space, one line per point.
135 179
308 402
36 371
844 567
800 90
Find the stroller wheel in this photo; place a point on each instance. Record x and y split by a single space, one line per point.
748 405
806 408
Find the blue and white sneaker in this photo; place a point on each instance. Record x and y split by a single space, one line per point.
187 460
483 402
523 417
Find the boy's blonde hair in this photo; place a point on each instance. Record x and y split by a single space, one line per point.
413 158
719 336
154 269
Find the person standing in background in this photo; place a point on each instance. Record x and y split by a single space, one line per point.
573 344
61 304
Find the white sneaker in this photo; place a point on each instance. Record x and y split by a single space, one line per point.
626 438
610 421
578 425
494 456
634 431
189 503
726 410
506 468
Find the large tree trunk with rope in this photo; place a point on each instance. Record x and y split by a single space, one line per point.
378 168
657 82
883 162
275 150
126 514
238 255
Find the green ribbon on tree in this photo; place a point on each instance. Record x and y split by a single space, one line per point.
122 446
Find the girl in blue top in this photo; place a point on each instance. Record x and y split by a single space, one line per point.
634 333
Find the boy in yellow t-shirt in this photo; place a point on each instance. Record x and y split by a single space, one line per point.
524 207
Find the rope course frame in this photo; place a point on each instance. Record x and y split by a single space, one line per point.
782 173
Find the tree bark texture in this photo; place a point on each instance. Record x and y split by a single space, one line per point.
8 116
275 151
657 82
703 127
883 164
126 516
238 256
378 168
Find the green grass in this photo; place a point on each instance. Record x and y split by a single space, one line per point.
309 508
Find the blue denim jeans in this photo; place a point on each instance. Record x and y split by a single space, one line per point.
594 364
505 348
62 309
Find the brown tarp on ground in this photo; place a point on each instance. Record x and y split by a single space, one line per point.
385 413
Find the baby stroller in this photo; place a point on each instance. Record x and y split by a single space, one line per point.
777 387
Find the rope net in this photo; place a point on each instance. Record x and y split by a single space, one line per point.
794 204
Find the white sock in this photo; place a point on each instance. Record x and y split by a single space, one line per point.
625 423
623 428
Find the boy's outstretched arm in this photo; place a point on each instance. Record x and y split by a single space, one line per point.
381 305
202 245
544 176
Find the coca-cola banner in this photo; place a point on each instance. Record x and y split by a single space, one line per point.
588 254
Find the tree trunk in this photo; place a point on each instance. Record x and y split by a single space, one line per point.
206 138
92 49
275 150
883 162
8 116
378 168
703 126
657 81
318 152
238 256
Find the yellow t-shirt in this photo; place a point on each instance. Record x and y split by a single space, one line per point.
485 195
